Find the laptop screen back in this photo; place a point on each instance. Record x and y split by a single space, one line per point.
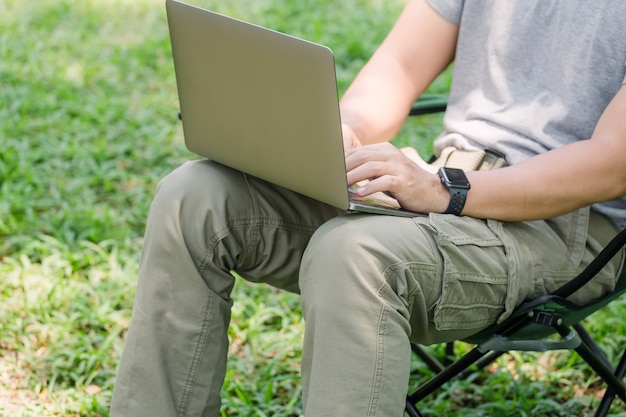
259 101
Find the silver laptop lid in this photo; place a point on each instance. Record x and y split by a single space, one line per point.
259 101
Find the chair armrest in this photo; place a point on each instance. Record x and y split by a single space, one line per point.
429 103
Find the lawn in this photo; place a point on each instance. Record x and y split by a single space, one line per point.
88 126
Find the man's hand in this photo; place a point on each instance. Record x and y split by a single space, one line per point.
350 140
390 171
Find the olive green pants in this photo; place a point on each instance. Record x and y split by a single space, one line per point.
369 284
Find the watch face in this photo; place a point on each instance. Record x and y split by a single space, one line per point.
456 177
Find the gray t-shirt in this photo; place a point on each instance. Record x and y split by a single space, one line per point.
533 75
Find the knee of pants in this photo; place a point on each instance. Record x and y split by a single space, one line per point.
194 203
340 262
335 247
201 182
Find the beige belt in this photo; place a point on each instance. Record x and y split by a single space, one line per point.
476 160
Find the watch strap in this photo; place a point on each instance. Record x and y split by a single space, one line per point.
457 201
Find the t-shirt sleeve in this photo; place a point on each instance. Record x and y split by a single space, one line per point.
449 9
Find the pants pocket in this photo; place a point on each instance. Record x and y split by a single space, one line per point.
475 285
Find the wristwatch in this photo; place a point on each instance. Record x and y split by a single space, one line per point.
456 182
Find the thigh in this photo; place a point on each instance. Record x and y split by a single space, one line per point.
473 283
456 275
230 221
491 267
582 238
446 275
277 232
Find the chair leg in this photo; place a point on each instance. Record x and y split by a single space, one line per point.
449 354
482 362
412 410
584 335
609 395
446 375
597 364
433 363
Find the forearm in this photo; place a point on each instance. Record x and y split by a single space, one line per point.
374 107
549 184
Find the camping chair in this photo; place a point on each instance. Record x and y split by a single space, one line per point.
533 325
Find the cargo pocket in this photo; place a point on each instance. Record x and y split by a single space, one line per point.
476 289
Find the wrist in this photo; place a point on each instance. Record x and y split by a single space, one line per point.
441 196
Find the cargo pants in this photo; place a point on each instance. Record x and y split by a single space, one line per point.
369 284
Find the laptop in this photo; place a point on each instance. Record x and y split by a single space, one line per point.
265 103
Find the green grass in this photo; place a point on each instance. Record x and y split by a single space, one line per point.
87 127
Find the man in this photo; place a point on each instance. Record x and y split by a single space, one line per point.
539 81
